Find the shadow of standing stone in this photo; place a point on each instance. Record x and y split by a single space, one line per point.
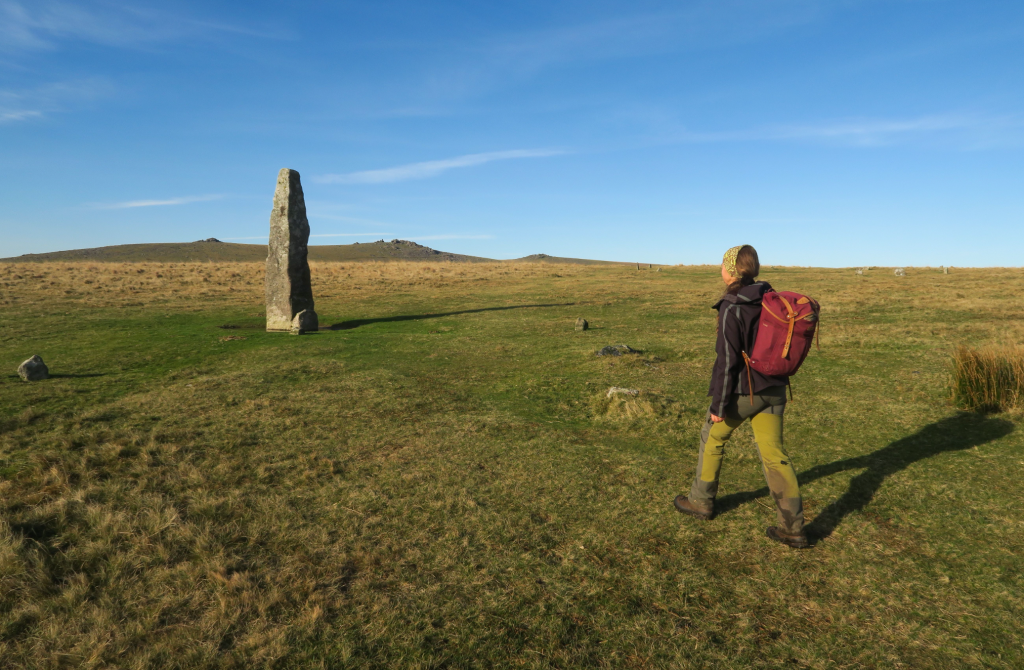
289 291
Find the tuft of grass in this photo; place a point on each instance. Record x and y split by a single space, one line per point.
645 406
988 379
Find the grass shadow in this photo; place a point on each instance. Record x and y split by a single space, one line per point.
355 323
955 433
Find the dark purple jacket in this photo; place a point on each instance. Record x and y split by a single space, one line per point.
738 317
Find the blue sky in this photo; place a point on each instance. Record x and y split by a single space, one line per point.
834 133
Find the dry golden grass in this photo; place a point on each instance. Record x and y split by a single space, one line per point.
443 482
988 379
112 284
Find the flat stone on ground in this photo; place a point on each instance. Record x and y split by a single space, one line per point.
617 350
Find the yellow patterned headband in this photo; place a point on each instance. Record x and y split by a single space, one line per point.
729 260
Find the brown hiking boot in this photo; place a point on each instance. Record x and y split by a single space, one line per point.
701 510
795 541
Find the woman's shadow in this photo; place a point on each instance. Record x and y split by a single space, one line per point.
954 433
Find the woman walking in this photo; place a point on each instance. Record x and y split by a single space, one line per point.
733 401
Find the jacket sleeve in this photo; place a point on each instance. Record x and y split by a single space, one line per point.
730 358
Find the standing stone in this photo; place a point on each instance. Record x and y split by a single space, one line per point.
289 291
581 324
33 369
900 272
859 271
945 270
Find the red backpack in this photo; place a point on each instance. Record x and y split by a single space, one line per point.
789 322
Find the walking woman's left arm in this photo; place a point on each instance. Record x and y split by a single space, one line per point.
728 348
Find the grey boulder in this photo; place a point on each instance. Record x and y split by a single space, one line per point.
617 350
581 324
33 370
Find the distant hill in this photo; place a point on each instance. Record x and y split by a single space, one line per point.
544 258
217 251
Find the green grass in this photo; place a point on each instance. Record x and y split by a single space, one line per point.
441 482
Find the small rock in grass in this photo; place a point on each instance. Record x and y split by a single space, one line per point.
618 389
617 350
900 272
229 338
33 369
581 324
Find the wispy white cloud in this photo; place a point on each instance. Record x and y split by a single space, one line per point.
873 131
963 130
621 34
352 234
431 168
37 102
451 237
160 203
43 24
19 115
352 219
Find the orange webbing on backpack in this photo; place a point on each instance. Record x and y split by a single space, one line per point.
791 317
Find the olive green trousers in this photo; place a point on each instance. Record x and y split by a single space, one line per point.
765 414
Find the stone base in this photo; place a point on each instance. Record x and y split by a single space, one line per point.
305 321
278 320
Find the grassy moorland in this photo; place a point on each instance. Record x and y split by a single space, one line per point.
439 480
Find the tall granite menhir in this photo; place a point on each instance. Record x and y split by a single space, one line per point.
289 292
